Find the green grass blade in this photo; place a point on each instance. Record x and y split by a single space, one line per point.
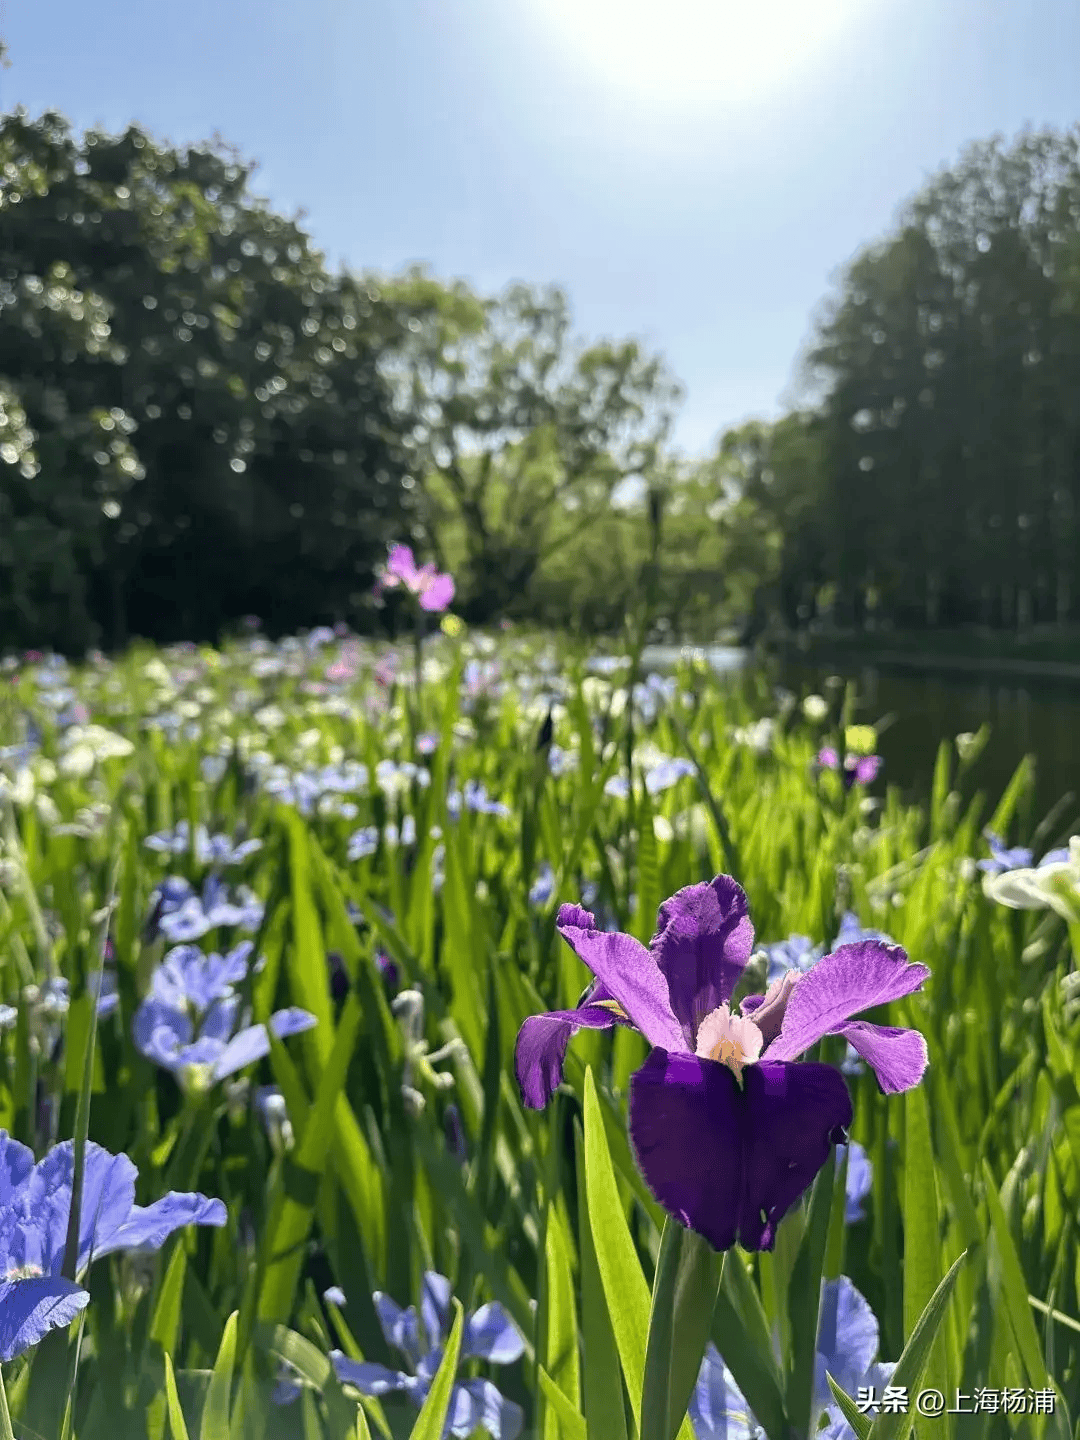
912 1363
558 1344
625 1289
922 1231
176 1415
215 1415
432 1418
571 1423
605 1414
687 1279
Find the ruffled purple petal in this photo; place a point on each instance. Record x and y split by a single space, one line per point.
541 1048
491 1335
30 1308
366 1376
702 943
108 1196
729 1162
897 1056
159 1033
631 977
840 986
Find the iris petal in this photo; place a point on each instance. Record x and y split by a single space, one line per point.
898 1057
541 1048
729 1162
491 1335
30 1308
631 976
839 987
702 943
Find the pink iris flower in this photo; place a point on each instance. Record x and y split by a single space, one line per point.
434 591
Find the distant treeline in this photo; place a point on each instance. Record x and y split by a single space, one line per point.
199 421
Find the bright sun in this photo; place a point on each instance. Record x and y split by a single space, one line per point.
694 56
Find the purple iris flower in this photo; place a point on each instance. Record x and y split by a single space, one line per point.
489 1334
851 932
166 899
35 1203
196 915
860 1177
847 1346
209 849
188 1022
363 843
1018 858
543 885
855 770
727 1128
432 590
667 773
797 952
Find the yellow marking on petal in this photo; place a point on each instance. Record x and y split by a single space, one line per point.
613 1006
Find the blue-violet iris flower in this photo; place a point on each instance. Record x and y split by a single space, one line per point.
728 1130
489 1334
35 1204
188 1022
847 1346
1017 858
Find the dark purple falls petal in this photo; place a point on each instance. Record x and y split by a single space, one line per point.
729 1162
702 943
840 986
541 1048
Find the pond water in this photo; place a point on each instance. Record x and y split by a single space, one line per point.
1040 718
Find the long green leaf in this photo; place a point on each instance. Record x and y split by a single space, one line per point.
922 1235
912 1363
804 1300
625 1288
687 1279
294 1212
176 1415
559 1342
432 1418
569 1419
215 1416
605 1414
860 1423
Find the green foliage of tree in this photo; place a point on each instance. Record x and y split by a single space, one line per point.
949 483
521 437
210 431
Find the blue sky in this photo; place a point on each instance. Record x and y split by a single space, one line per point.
696 186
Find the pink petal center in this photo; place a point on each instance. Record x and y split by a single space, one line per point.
732 1039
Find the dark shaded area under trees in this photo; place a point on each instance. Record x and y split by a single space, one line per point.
198 421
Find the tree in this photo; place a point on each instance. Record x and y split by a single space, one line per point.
517 435
261 466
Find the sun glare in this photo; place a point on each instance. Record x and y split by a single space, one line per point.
694 56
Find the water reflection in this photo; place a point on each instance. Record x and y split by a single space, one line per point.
1041 719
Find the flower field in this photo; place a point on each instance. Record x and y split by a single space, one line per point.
481 1036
